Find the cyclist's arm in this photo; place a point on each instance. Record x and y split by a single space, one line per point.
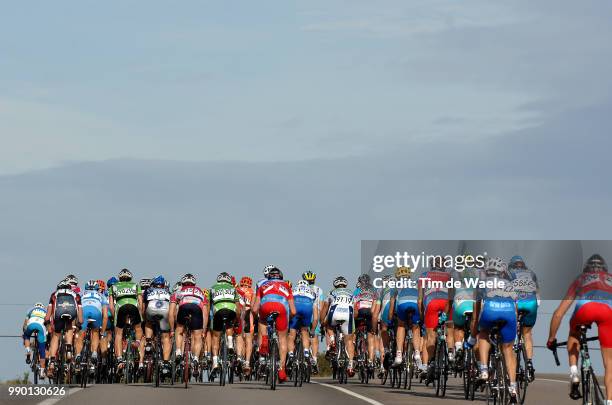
25 324
104 318
374 320
80 314
557 317
205 312
420 301
315 317
324 313
475 316
141 306
255 307
391 306
292 307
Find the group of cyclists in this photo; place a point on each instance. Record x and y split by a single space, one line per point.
476 318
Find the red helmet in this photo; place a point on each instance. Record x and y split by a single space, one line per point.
234 281
102 285
246 282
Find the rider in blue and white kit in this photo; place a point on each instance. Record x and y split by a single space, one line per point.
305 318
35 322
95 309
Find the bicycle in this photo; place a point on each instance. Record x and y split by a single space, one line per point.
340 360
388 357
129 368
499 381
591 391
408 362
187 351
86 353
35 358
361 347
523 374
226 368
469 369
441 363
153 358
274 359
63 373
300 369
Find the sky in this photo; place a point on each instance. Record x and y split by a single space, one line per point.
213 136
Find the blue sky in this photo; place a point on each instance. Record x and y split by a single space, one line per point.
208 135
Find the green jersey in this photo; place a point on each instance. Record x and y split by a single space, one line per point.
223 296
125 292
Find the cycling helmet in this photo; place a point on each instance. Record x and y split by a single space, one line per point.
145 283
177 286
188 279
112 281
64 284
233 281
303 283
388 277
275 274
246 282
39 305
72 279
514 263
403 272
309 276
364 280
267 269
125 275
340 282
594 263
101 285
159 282
224 277
92 285
495 266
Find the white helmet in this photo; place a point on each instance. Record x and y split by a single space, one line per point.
495 266
303 283
267 269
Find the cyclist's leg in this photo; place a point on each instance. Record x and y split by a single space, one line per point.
431 322
294 326
400 335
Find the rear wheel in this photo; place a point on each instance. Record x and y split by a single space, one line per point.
273 365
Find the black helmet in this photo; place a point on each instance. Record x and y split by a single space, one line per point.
364 280
340 282
125 275
595 262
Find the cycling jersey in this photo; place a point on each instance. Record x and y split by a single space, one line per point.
64 302
274 296
435 287
593 296
341 309
498 305
157 304
36 322
304 298
93 303
524 283
125 295
245 296
364 298
406 306
224 296
384 300
464 296
191 301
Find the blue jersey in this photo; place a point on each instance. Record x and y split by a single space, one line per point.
36 315
525 283
92 298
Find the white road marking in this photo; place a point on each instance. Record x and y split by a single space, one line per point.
548 379
53 400
351 393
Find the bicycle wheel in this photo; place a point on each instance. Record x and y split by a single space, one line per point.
273 364
522 375
35 363
467 373
596 392
490 392
223 363
441 369
503 381
85 364
409 365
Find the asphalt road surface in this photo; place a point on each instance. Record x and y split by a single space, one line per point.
548 389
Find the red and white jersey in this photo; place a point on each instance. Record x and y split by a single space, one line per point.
189 295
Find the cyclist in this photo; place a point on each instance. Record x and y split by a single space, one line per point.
386 298
191 302
156 300
224 300
95 307
274 295
245 292
433 298
495 304
305 319
64 308
125 300
74 283
462 299
311 278
407 310
106 338
365 298
592 293
35 321
339 307
525 284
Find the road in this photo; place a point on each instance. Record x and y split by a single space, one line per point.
548 389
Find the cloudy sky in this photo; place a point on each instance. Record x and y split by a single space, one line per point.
213 136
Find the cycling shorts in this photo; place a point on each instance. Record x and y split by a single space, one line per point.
597 312
282 321
197 319
302 318
342 313
530 306
459 311
431 312
247 321
122 314
501 311
223 314
384 314
29 331
157 311
408 312
364 317
91 312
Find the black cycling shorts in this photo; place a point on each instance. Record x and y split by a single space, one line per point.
124 311
223 313
197 320
364 315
